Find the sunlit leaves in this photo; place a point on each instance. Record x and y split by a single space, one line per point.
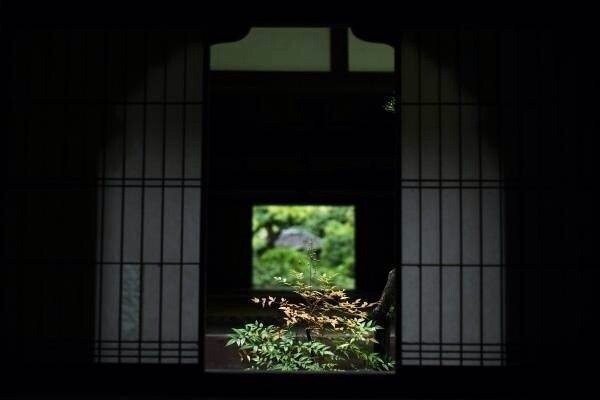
341 335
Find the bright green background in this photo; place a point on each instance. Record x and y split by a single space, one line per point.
333 224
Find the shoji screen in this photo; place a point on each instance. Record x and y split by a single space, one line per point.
102 203
148 212
497 141
452 289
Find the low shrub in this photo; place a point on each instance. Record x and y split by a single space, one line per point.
324 331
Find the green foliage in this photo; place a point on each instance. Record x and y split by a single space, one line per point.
277 261
325 331
338 252
333 224
269 347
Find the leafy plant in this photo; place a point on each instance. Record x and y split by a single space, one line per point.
323 331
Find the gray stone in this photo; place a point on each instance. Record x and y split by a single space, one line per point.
297 238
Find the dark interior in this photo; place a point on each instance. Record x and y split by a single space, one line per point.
295 138
50 156
300 138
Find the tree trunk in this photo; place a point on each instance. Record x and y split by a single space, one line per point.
380 314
